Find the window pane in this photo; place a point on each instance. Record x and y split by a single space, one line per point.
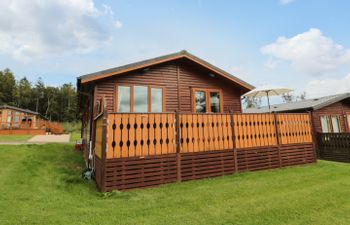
140 99
348 121
325 124
200 102
9 116
215 102
336 124
157 99
123 99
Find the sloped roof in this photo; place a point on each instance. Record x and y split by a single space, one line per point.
18 109
312 104
154 61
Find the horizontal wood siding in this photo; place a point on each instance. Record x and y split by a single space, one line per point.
165 75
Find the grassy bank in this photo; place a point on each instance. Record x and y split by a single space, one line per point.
14 138
40 184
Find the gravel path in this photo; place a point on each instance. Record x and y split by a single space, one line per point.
64 138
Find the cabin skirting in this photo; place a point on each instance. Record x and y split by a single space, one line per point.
136 172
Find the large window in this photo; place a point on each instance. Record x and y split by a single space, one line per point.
139 98
123 104
325 124
207 100
157 99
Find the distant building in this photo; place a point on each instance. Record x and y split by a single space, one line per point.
330 114
12 117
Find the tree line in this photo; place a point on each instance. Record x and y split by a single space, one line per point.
54 103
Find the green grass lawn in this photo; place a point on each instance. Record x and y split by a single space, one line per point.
14 138
40 184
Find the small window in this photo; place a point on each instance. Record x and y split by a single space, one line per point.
123 99
348 117
206 100
157 99
336 124
140 99
325 124
200 101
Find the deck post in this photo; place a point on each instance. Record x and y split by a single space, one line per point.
313 136
232 124
278 139
178 149
104 149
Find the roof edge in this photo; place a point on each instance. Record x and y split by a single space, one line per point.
158 60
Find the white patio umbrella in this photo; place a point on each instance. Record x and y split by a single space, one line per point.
267 91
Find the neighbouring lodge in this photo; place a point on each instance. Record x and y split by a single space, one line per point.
330 114
331 123
176 118
14 120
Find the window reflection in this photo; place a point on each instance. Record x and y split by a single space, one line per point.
123 99
200 98
157 100
140 99
215 102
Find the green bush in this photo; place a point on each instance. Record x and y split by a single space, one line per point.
71 127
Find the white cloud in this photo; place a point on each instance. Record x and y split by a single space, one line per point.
319 87
285 2
310 52
118 24
36 28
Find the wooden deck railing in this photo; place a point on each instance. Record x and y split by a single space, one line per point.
147 134
145 149
334 146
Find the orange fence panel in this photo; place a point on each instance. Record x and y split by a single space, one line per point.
147 134
294 128
254 130
139 135
205 132
99 137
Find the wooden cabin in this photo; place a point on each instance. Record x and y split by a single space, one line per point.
330 114
14 120
176 118
177 82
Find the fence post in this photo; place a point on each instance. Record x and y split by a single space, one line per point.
314 137
278 139
232 124
104 149
178 149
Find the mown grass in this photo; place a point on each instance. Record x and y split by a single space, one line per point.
14 138
40 184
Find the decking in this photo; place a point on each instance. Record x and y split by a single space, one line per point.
145 149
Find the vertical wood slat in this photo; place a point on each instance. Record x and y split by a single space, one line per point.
139 135
294 128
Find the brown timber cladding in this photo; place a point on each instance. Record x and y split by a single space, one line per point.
141 148
339 108
165 75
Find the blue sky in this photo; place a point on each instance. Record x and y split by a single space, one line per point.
300 44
